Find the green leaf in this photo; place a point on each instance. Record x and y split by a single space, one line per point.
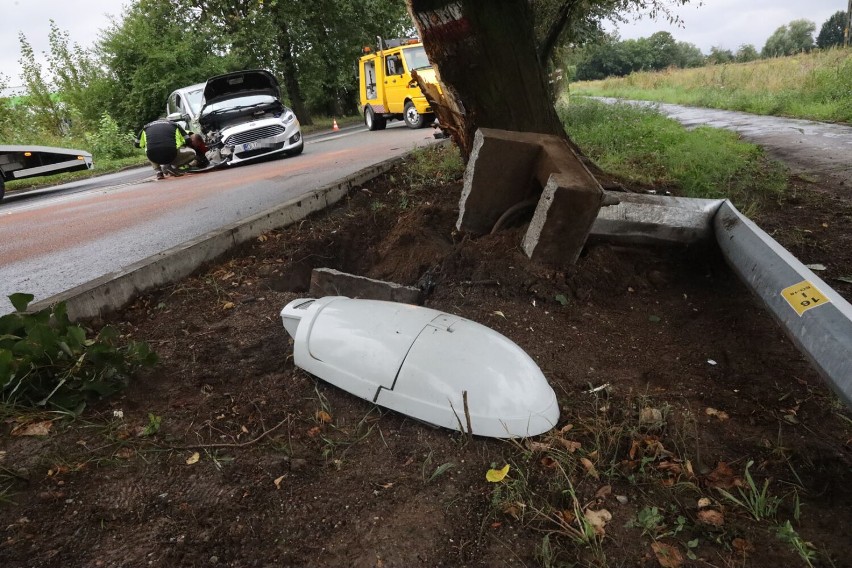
654 319
20 301
561 299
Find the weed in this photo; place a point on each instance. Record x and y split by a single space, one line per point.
806 551
45 359
757 501
437 472
153 425
650 520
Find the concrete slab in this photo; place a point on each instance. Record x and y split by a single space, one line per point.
507 168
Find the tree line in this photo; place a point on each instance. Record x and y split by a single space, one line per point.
101 94
611 57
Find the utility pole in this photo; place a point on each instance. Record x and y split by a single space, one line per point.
846 28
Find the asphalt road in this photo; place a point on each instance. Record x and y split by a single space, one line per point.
818 149
57 238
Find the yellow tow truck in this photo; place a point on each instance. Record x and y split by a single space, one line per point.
387 88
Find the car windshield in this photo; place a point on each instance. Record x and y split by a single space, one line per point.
415 58
238 103
193 99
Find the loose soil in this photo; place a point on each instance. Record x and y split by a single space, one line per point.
671 380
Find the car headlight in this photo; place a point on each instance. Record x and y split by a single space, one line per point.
288 117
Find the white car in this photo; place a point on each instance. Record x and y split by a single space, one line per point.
239 115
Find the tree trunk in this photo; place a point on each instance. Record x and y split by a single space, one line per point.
485 57
291 75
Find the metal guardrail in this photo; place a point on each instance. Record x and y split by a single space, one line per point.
815 317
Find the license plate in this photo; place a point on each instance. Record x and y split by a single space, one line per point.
251 146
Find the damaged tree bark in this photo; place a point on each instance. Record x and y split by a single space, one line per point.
485 57
499 111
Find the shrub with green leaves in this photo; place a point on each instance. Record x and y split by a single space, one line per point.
46 360
109 141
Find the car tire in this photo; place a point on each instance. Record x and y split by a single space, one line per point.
2 187
413 119
373 120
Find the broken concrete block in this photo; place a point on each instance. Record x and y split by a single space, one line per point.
507 168
499 174
330 282
562 220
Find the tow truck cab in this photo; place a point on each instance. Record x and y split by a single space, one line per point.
19 162
387 88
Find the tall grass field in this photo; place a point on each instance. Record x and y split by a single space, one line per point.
816 86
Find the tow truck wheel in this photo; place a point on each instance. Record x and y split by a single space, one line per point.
374 121
413 119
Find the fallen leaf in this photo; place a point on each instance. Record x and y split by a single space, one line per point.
561 299
704 502
228 306
650 416
499 313
548 462
723 477
742 546
668 556
720 414
566 516
33 429
847 279
566 428
496 525
569 445
711 517
514 509
497 475
193 458
816 267
603 491
314 431
323 416
125 453
598 519
537 446
277 481
590 467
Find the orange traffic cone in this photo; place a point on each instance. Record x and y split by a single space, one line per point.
335 127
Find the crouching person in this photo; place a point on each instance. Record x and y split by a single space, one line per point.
165 145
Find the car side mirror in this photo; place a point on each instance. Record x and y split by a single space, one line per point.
176 116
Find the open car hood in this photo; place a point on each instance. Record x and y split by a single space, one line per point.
240 83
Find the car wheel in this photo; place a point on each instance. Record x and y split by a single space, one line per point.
413 119
372 120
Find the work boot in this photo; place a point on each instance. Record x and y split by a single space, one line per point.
173 170
161 175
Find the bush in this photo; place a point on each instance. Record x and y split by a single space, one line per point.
47 360
109 141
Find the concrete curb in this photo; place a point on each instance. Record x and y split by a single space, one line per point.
115 290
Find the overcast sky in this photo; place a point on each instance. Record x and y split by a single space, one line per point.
724 23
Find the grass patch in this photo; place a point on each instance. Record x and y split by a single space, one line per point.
641 145
813 86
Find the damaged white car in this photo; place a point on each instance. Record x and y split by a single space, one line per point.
239 116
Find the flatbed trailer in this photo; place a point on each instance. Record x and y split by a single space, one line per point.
20 162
